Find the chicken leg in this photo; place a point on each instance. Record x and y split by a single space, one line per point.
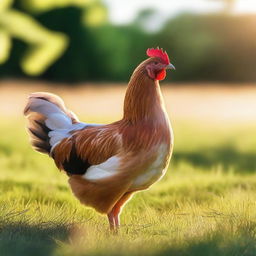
113 216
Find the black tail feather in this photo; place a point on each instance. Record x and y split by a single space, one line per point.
40 135
43 126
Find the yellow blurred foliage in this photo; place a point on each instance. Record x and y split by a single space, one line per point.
95 15
41 6
45 46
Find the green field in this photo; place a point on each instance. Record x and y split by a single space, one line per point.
205 205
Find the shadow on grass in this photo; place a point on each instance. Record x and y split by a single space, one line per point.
39 240
215 244
226 157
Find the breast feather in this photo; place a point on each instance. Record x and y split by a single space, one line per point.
155 171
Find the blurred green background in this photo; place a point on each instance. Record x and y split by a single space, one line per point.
77 41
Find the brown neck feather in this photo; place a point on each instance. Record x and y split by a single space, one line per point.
143 99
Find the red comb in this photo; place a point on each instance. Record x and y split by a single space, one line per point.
151 52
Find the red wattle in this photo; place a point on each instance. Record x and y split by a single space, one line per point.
161 75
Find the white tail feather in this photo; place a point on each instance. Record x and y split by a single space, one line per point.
55 116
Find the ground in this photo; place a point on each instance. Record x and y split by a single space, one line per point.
204 206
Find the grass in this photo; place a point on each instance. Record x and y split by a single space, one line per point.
205 205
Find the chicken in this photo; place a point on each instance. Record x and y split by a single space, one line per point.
107 164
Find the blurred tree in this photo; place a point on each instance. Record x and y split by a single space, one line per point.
83 58
45 46
39 6
149 20
211 47
95 14
215 47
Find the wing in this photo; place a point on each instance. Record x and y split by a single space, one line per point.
88 150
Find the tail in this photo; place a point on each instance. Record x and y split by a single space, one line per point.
49 121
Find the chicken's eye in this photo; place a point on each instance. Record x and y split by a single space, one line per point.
155 62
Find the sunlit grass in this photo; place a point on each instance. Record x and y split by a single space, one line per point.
205 205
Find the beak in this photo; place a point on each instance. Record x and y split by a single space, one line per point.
170 66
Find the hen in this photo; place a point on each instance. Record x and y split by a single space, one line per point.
107 164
